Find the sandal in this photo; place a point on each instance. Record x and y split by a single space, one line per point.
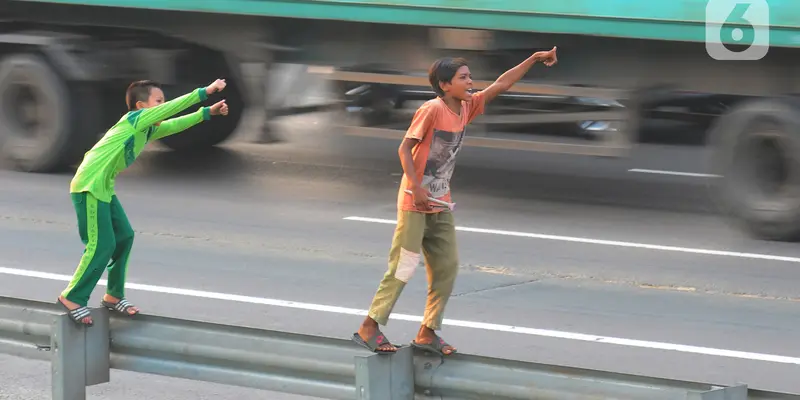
436 346
373 344
122 306
77 315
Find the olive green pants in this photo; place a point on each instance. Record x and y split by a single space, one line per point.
105 231
433 235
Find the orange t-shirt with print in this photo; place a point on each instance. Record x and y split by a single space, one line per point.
440 132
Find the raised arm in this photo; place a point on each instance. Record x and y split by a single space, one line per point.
512 76
180 124
148 116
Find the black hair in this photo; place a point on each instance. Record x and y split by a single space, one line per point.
139 91
443 70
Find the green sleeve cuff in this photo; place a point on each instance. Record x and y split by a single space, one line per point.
203 94
206 113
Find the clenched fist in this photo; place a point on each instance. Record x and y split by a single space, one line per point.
219 108
217 86
548 58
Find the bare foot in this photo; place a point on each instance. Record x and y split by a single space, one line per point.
427 336
73 306
368 329
113 300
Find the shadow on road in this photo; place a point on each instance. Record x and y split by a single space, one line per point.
214 162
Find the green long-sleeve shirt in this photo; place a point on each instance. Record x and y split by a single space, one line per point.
122 144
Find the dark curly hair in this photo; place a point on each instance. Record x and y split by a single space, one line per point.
443 70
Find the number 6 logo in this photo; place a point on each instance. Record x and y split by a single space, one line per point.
739 23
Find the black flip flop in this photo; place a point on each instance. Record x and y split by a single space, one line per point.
377 340
77 315
436 346
122 307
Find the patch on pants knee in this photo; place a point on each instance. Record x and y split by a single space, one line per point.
406 265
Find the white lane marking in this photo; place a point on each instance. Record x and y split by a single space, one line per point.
602 242
677 173
413 318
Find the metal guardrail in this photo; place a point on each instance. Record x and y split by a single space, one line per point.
302 364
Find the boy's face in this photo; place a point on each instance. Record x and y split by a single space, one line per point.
460 86
156 98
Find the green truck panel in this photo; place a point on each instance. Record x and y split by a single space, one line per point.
679 20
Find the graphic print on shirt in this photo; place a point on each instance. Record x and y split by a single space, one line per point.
441 161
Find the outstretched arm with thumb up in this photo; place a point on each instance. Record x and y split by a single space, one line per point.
180 124
219 108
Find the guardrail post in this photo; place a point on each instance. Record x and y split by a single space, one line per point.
98 348
81 355
386 376
723 393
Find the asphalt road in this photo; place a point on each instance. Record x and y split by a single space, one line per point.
275 223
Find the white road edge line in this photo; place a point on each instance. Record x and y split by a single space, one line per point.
602 242
677 173
413 318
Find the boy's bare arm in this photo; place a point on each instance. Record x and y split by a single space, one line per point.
512 76
407 161
421 126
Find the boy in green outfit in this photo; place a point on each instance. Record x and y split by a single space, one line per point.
428 156
102 223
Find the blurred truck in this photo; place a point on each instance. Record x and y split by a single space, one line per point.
725 67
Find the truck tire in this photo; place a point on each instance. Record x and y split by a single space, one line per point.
756 150
43 121
213 132
219 128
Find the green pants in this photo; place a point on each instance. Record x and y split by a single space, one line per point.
108 237
433 235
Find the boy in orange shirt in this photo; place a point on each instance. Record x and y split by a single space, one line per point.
428 154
